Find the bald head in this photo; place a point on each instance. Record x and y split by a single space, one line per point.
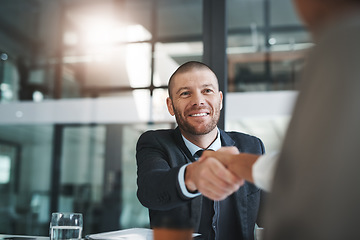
187 67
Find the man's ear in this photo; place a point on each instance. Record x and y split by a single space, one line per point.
221 99
170 106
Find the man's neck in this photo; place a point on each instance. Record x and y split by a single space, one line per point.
203 141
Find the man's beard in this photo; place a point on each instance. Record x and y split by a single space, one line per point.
188 128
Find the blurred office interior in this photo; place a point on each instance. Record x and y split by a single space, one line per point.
80 80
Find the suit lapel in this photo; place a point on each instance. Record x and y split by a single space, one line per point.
226 140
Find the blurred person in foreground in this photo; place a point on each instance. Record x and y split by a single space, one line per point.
315 193
177 188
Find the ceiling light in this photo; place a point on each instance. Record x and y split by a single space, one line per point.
4 56
272 41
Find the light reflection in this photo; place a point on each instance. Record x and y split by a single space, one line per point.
142 102
6 91
99 32
138 64
102 31
137 33
71 38
4 86
4 56
4 169
19 114
101 37
272 41
38 96
8 95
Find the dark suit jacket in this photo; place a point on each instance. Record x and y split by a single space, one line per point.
161 153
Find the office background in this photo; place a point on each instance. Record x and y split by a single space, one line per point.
80 80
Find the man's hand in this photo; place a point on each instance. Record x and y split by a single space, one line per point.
212 179
238 163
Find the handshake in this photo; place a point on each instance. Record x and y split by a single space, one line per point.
219 174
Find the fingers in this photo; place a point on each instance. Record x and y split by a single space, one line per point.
213 180
225 181
238 163
219 191
221 172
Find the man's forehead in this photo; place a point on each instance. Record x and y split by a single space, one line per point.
188 83
191 78
195 85
199 76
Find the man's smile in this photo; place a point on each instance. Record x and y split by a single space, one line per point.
199 114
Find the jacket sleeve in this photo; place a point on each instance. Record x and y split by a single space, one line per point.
157 175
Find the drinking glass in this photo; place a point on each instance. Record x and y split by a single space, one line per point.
66 226
259 232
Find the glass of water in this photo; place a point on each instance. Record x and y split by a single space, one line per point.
66 226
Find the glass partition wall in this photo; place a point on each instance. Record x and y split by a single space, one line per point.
266 45
121 49
98 177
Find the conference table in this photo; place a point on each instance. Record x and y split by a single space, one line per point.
22 237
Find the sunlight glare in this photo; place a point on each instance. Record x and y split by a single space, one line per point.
106 31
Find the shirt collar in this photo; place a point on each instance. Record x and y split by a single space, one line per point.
216 145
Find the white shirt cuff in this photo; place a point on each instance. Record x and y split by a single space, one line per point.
263 170
181 179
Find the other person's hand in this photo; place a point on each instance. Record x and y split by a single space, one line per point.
238 163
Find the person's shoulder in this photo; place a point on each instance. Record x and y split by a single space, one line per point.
246 142
157 133
160 137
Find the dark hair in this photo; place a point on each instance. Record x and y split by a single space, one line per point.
186 67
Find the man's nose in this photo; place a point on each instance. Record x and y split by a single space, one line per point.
198 99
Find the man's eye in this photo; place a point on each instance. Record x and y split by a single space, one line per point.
184 93
208 91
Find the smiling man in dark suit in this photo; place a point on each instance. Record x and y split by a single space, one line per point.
177 188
